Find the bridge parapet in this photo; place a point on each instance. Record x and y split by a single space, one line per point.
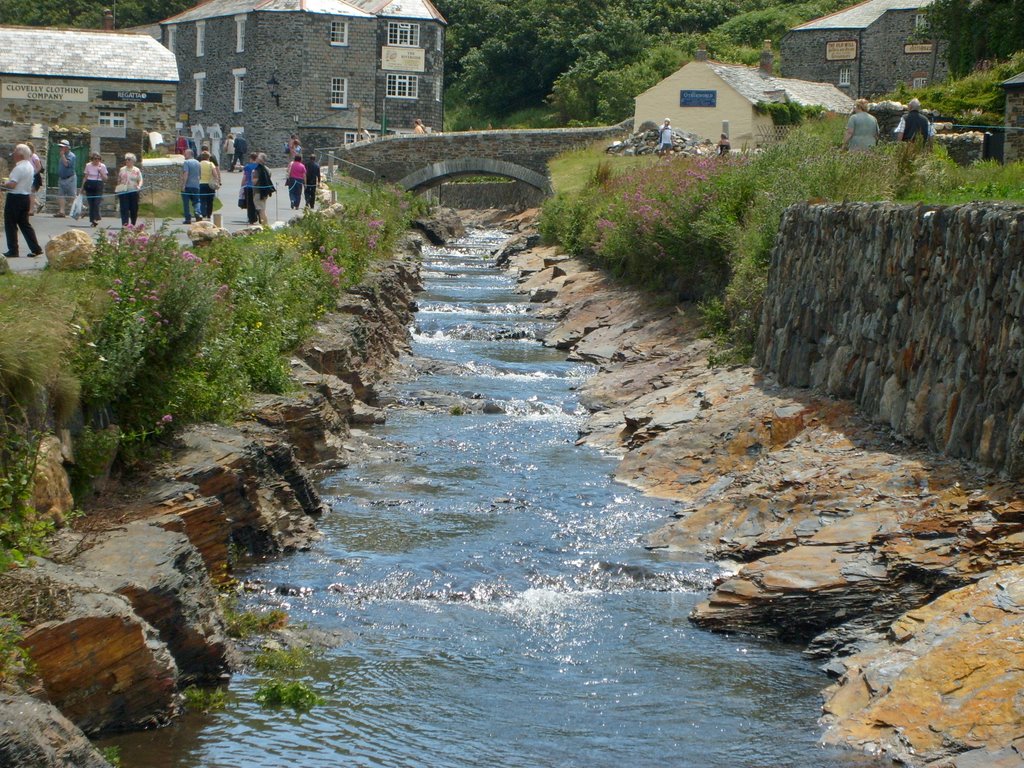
422 161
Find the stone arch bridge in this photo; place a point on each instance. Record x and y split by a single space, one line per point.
420 162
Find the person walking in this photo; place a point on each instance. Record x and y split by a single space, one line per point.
92 186
249 187
664 137
312 181
861 129
241 148
914 126
209 183
67 178
18 203
37 176
190 200
129 182
227 152
263 187
296 181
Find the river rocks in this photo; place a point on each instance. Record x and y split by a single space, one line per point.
441 226
646 140
34 734
205 231
312 425
51 494
69 250
99 663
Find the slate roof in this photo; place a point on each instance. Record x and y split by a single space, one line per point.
754 85
862 15
92 54
1017 81
404 9
213 9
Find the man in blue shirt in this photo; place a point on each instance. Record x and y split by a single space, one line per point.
67 178
190 200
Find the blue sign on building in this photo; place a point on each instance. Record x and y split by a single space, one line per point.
698 98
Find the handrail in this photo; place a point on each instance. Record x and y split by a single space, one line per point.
332 157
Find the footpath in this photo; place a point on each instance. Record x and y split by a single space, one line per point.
233 219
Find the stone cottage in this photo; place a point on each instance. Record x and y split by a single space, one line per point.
867 49
709 98
97 82
324 69
1013 148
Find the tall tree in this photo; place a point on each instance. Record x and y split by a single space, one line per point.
977 30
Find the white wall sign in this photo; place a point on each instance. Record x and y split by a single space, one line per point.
917 48
841 50
403 59
35 92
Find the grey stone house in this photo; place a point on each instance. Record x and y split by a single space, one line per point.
867 49
324 69
1013 149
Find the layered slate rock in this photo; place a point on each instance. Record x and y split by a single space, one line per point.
101 664
34 734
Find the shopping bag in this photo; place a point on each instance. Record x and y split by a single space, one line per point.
76 207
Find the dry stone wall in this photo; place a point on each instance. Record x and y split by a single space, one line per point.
914 312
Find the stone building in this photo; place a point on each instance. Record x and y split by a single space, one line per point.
709 98
867 49
101 82
1013 146
324 69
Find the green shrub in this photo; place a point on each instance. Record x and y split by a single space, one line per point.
279 693
282 660
205 699
112 755
244 624
14 659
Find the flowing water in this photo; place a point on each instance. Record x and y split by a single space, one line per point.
497 607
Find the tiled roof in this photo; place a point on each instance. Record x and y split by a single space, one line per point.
752 84
94 54
404 9
862 15
213 9
1016 80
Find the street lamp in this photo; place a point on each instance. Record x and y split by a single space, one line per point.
274 87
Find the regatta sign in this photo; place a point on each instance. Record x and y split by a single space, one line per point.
33 92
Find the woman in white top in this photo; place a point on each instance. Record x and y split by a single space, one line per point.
129 182
92 185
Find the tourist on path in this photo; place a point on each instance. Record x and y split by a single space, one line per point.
37 175
263 187
241 149
227 152
209 183
914 126
67 178
861 128
296 181
18 203
312 181
190 200
129 182
248 188
92 187
418 127
664 137
724 147
293 147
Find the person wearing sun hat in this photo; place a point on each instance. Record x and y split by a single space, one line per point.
67 178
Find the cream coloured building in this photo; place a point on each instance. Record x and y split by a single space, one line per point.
709 98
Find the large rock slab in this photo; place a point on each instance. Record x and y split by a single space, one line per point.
441 226
34 734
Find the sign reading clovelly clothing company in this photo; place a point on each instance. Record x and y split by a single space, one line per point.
841 50
698 98
134 96
403 59
34 92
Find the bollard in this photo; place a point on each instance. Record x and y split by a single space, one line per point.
217 219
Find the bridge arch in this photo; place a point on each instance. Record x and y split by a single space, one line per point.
436 173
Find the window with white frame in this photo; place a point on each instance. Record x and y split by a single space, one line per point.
200 80
113 118
403 34
403 86
171 34
239 75
200 38
350 137
438 86
440 40
920 20
919 82
339 92
240 33
339 33
844 75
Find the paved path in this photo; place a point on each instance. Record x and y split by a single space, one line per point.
233 219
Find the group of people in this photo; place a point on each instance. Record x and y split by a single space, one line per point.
862 132
127 189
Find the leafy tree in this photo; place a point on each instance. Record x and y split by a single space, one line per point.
977 30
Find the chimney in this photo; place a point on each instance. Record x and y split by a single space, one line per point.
767 60
700 55
108 19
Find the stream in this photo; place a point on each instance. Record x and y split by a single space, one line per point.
487 579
